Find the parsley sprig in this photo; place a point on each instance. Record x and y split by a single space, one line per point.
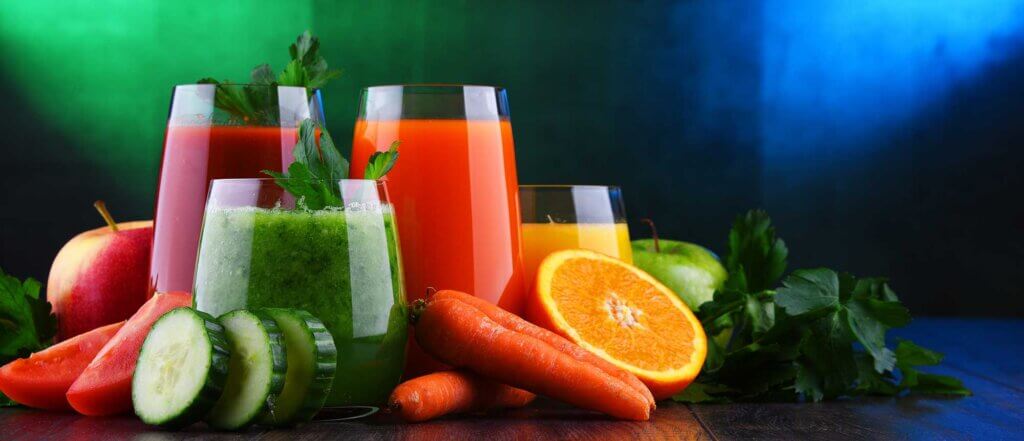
306 69
313 178
254 103
381 162
27 323
820 335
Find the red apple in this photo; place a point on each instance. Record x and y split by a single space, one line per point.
101 276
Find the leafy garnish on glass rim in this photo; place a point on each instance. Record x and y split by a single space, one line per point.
381 162
307 69
254 103
313 178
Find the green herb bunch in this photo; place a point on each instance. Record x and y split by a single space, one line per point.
313 178
820 335
254 103
27 323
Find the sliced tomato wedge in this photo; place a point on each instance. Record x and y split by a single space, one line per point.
43 379
105 387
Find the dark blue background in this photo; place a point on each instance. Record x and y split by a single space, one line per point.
883 136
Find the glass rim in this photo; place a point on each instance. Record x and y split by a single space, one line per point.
452 86
241 180
247 85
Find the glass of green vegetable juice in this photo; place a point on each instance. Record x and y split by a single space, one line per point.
260 247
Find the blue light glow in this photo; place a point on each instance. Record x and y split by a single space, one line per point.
837 74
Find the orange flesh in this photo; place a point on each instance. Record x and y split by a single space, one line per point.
612 308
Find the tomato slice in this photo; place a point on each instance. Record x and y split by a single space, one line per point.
105 387
43 379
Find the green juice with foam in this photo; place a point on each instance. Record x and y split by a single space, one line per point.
340 265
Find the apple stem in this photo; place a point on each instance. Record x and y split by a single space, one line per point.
102 208
654 234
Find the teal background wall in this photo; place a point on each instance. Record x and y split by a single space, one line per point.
883 136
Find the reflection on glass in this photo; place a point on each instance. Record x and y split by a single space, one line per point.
560 217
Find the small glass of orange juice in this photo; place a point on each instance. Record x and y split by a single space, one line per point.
560 217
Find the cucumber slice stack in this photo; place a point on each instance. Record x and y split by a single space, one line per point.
182 369
273 366
312 359
256 370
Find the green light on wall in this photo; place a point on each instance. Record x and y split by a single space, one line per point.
101 72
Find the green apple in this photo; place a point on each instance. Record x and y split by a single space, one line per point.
692 271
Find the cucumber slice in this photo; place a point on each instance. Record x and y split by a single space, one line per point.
312 360
181 370
255 371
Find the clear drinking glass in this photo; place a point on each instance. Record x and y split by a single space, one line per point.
340 264
454 189
216 132
560 217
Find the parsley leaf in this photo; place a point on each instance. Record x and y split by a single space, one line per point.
807 291
381 163
26 322
240 102
26 319
818 290
826 361
313 178
756 258
262 74
307 67
870 381
910 356
819 336
255 104
335 166
870 332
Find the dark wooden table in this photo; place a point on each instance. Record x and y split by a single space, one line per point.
987 354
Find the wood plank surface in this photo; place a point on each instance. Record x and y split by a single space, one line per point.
544 420
995 412
986 354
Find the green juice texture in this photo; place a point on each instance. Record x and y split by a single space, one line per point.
341 266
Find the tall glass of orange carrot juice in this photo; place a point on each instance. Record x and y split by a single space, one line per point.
454 189
560 217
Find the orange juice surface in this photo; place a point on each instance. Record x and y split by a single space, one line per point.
539 240
455 195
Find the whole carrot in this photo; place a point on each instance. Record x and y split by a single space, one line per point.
518 324
447 392
463 336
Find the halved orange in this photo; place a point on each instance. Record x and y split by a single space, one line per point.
621 314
